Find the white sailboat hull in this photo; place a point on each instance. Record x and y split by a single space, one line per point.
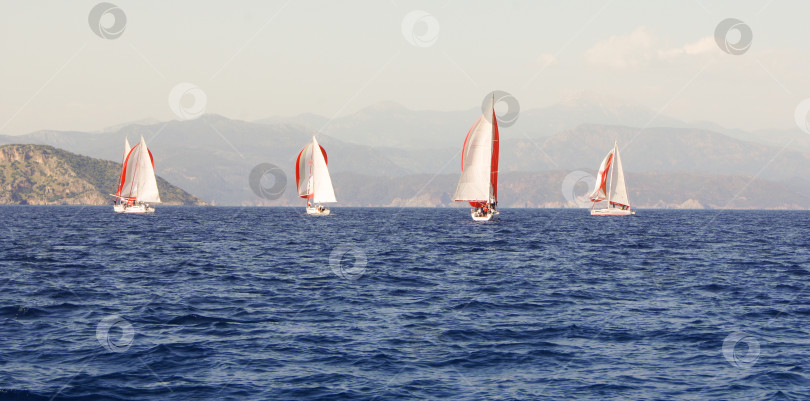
139 208
316 211
476 216
611 212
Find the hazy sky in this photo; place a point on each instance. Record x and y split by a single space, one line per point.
256 59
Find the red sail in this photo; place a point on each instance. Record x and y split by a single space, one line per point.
495 154
601 192
124 170
299 166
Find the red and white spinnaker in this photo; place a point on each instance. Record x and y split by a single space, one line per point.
312 178
478 184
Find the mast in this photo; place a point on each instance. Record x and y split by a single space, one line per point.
312 167
612 168
493 156
492 150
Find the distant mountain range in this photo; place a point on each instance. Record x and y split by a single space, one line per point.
685 190
43 175
387 155
391 125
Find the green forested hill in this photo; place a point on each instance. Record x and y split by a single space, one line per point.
44 175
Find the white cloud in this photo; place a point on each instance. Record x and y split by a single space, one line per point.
623 51
640 48
702 46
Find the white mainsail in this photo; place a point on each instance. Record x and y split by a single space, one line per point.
314 182
475 184
138 182
322 190
619 194
127 148
303 172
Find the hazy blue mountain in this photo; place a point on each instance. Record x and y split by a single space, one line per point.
391 125
388 124
657 149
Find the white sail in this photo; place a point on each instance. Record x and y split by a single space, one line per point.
322 190
303 170
139 181
127 148
599 192
147 182
619 190
309 188
475 183
617 202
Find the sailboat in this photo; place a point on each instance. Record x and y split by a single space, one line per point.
478 184
312 179
137 187
616 195
118 204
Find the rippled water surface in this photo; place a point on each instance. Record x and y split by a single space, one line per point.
266 303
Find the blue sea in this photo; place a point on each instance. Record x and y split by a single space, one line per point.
383 303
